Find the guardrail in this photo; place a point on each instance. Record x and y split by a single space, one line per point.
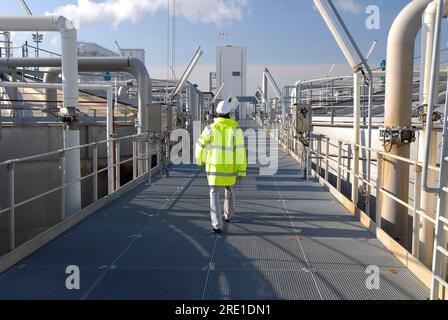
321 159
142 141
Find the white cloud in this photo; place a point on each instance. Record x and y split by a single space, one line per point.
115 12
350 6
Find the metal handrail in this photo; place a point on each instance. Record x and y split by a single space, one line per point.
41 155
326 157
136 138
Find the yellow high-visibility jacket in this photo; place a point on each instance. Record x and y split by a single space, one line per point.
221 148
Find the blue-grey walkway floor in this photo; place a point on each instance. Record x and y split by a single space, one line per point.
290 239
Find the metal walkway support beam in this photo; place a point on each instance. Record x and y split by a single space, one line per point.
359 65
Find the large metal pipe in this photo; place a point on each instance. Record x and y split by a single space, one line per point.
69 60
96 64
398 108
428 199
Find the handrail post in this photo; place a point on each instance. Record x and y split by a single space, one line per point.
319 152
308 158
355 178
11 224
379 173
117 164
331 99
327 156
338 181
149 158
134 159
109 166
416 218
159 154
63 209
95 172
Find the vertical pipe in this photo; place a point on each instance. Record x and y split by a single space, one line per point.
433 80
69 63
95 172
356 133
11 224
428 199
63 213
398 104
72 171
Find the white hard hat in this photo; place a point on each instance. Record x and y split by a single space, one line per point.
224 107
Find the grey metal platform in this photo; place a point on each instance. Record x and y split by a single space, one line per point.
290 239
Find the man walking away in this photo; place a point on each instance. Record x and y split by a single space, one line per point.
221 148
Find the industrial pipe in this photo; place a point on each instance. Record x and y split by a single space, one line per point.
96 64
433 81
398 108
92 64
428 199
69 61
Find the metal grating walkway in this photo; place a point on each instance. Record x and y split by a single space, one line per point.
290 239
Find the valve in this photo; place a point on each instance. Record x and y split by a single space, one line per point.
398 136
436 115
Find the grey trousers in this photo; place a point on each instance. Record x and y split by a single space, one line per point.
215 205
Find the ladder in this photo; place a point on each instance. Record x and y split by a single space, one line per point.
440 252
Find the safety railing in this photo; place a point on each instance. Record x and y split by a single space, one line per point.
141 166
321 158
333 95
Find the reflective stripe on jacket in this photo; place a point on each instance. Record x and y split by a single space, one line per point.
221 148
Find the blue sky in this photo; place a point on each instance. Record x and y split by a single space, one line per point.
289 36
